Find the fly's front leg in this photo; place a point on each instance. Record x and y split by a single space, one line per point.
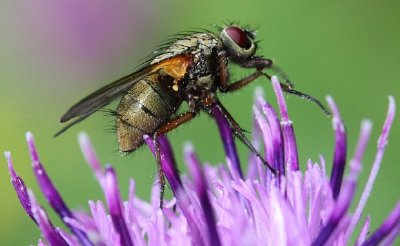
310 98
257 62
167 127
261 63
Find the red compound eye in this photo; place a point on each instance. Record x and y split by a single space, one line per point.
238 36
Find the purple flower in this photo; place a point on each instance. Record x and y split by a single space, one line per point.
222 205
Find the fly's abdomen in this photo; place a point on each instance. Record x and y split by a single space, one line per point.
144 108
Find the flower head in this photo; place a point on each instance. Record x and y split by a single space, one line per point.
222 205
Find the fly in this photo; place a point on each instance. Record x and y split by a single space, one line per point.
191 68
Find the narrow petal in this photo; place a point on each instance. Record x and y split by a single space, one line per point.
167 149
386 228
167 162
265 129
276 134
289 139
31 146
50 191
114 204
171 174
19 187
201 188
377 162
388 123
365 133
103 223
341 206
90 155
363 233
47 229
256 169
69 239
227 137
392 236
339 157
45 184
40 243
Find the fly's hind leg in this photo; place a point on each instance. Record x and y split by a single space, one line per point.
167 127
238 131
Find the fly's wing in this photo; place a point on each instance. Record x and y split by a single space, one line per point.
100 98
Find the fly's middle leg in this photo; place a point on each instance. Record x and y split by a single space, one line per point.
167 127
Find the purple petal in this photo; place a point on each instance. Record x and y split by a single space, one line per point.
167 149
339 157
201 189
341 206
114 202
85 220
386 228
31 146
279 234
276 135
40 243
50 192
256 168
47 229
167 161
19 187
363 140
363 233
388 123
90 156
265 129
69 239
103 223
392 236
226 134
377 162
171 174
45 184
299 204
365 133
289 139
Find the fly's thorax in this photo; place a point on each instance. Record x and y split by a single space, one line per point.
196 88
193 44
142 110
199 77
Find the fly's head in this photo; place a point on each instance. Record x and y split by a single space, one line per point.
238 42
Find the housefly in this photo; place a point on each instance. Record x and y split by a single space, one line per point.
190 68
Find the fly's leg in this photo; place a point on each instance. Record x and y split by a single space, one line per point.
238 131
257 62
240 83
167 127
307 97
260 64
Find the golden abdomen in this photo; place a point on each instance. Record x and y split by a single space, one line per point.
145 107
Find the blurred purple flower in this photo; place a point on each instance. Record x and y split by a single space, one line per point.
86 27
218 205
73 38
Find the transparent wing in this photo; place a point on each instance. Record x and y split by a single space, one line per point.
102 97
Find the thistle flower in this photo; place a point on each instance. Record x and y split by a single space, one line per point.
220 205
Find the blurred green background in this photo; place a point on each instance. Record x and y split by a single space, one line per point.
52 53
